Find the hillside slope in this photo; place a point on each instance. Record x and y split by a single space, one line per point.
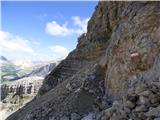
119 53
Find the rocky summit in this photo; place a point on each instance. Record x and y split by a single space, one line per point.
113 74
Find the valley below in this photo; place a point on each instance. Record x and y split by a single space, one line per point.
20 85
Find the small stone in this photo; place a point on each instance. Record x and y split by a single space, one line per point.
154 89
141 108
103 63
143 100
140 89
64 118
129 104
142 116
132 98
154 105
154 112
90 116
158 118
131 91
153 99
91 91
75 116
78 90
158 85
145 93
127 110
118 117
68 86
109 112
149 118
116 105
52 118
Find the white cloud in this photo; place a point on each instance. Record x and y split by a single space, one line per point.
58 51
11 44
55 29
81 23
20 50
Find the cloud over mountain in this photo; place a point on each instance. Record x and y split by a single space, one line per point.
55 29
13 43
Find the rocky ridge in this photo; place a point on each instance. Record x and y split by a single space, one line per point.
120 52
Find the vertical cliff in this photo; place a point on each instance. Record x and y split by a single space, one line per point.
119 54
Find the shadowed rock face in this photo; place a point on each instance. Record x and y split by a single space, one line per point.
120 51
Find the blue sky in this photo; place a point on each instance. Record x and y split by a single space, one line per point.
42 30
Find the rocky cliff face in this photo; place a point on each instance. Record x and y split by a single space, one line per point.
119 53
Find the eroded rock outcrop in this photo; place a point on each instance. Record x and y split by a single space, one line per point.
19 89
16 94
120 51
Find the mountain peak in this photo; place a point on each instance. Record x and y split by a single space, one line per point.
3 58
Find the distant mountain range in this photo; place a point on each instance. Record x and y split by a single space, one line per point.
8 70
3 58
16 70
